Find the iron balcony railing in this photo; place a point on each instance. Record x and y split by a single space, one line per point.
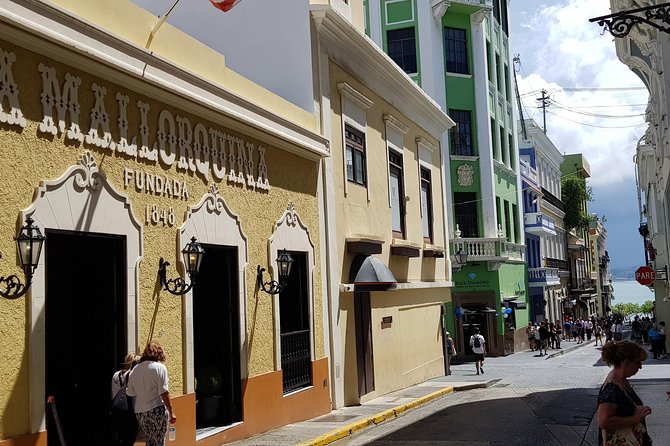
296 361
557 263
543 276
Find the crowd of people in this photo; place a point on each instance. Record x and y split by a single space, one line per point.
548 334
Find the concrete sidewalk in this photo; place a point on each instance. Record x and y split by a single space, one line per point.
343 422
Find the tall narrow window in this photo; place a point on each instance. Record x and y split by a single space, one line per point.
508 225
461 133
465 213
456 46
397 195
355 151
401 45
426 205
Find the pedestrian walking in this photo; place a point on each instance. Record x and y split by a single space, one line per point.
567 329
544 337
478 344
654 334
598 333
451 351
621 414
579 326
664 351
588 328
148 383
559 334
617 330
530 333
123 421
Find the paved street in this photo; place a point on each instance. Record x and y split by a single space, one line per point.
536 401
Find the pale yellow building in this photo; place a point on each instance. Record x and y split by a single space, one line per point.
388 261
122 146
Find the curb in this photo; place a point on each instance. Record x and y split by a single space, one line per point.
568 350
381 417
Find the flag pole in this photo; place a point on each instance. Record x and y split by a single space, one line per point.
163 18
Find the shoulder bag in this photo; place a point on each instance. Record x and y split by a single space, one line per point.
635 435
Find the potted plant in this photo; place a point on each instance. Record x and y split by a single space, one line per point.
208 394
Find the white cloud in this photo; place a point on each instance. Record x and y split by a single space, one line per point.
577 64
561 50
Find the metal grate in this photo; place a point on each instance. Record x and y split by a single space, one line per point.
295 360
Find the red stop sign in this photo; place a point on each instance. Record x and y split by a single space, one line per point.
645 275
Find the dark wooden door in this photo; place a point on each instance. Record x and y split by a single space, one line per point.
85 315
364 354
216 331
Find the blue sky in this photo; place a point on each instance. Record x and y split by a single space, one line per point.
598 105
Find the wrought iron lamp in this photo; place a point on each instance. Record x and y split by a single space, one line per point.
29 245
461 258
193 253
284 263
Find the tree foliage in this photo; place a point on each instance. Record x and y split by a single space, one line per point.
627 308
574 193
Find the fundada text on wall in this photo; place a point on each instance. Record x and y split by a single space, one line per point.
190 147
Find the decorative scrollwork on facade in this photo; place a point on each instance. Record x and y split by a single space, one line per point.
621 23
213 200
87 175
291 215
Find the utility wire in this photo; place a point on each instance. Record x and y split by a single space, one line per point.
598 126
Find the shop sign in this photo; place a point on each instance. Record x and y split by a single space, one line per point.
190 147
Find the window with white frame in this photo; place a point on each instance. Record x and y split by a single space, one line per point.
354 125
426 205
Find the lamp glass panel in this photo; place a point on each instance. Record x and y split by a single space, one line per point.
284 261
29 244
193 253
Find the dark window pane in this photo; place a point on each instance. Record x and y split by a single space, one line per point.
456 46
465 213
461 133
401 45
355 155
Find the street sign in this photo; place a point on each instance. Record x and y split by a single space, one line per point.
645 275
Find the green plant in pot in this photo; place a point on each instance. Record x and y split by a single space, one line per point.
208 392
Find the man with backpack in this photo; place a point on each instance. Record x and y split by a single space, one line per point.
478 344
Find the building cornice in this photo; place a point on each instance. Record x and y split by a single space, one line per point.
359 55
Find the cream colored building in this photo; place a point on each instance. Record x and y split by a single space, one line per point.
122 146
387 254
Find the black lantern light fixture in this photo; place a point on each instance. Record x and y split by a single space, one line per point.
29 246
193 253
461 258
284 263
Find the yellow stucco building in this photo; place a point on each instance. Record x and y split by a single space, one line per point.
122 146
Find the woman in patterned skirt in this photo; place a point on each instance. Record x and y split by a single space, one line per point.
148 383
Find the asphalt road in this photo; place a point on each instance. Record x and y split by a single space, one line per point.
535 402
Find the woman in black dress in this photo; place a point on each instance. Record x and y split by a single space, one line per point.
621 414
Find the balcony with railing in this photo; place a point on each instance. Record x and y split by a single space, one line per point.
575 242
562 265
543 277
528 171
540 224
495 251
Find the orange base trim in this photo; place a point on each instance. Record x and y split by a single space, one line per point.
266 408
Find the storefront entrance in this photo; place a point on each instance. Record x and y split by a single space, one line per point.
216 349
85 334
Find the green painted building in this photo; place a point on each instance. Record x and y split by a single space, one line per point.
458 51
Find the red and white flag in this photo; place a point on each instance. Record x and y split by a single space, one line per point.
224 5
